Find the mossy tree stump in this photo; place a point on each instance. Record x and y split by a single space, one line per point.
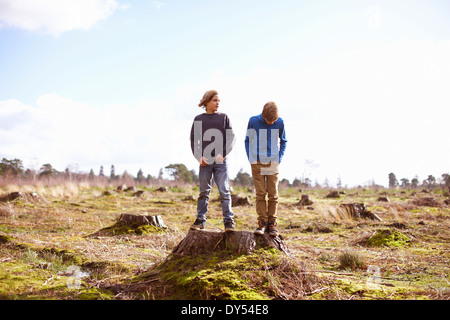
333 194
132 223
133 219
305 201
199 242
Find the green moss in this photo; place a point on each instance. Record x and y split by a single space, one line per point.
21 280
94 294
36 274
139 229
222 276
67 256
390 238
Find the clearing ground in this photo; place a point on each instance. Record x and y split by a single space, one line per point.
51 247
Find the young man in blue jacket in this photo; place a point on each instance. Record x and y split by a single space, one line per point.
265 144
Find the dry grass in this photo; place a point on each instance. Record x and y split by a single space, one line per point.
66 214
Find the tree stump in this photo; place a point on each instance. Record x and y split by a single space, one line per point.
333 194
27 196
138 220
199 242
359 210
237 200
305 200
121 188
139 193
132 224
426 201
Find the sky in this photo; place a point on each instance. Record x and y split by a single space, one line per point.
362 85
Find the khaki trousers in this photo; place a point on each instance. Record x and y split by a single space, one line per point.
265 179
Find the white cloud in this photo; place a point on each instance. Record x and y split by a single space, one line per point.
61 131
157 4
54 16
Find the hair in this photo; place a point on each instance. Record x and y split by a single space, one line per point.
207 97
270 111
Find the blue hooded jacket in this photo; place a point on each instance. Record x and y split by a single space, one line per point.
265 142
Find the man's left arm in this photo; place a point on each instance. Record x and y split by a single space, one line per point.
230 137
283 141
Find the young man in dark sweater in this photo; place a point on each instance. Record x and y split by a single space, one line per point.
212 139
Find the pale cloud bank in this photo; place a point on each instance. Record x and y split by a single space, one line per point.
54 16
61 131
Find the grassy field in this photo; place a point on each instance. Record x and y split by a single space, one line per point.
47 250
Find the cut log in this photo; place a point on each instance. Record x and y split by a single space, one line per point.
199 242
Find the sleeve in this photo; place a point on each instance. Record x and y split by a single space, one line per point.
230 137
283 142
196 146
251 142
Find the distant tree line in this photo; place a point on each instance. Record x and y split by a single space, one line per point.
13 169
429 183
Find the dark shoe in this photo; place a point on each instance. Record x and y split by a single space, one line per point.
261 227
229 226
198 225
272 228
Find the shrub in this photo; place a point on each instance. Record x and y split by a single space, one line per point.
351 259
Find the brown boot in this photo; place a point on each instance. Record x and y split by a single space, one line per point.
261 227
272 228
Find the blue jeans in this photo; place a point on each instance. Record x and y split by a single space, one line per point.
220 174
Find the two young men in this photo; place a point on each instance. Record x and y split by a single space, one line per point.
212 139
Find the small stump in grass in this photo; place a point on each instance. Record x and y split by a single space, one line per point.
133 224
305 201
333 194
199 242
24 196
